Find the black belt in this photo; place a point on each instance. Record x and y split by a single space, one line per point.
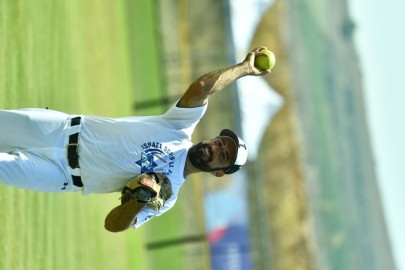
72 154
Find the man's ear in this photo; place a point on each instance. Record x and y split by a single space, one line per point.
218 173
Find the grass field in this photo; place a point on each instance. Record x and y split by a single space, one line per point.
79 57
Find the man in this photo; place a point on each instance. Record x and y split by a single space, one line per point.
54 152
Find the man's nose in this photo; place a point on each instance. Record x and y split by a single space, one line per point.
218 148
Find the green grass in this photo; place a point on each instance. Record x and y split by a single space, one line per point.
81 57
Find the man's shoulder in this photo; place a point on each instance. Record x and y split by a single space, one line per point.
185 113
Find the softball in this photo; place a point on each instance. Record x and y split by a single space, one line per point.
265 61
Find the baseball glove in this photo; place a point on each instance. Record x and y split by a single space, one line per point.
151 188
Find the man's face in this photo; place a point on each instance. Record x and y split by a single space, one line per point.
214 154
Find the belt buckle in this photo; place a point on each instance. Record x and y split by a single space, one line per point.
72 144
69 145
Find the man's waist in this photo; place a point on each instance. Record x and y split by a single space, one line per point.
72 150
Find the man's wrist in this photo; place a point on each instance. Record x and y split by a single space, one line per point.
244 68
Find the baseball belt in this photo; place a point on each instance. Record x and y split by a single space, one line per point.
72 153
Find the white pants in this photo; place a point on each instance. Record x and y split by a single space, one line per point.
33 150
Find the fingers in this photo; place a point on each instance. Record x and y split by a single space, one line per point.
265 71
260 72
250 61
256 50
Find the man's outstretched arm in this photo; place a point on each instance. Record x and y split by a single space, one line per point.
200 90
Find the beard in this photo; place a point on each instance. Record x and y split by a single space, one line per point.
200 155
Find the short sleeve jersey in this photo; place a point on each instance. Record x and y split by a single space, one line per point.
113 150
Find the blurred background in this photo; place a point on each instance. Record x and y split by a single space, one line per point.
314 198
322 187
316 173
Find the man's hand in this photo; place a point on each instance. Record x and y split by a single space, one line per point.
151 189
250 62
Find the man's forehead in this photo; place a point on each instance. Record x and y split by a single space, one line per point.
230 143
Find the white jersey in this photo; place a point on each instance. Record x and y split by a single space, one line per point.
114 150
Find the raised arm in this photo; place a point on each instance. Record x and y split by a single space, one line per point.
200 90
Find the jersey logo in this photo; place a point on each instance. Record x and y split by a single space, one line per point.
156 158
147 161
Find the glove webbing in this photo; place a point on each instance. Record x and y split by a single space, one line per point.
146 189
